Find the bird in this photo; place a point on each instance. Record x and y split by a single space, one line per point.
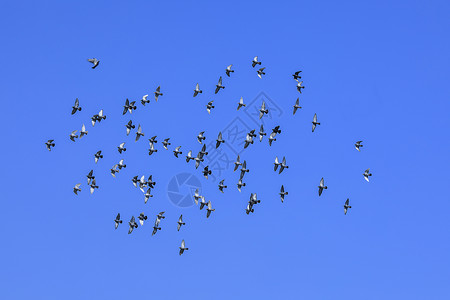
49 144
98 155
240 184
276 130
200 137
90 176
145 100
121 148
272 138
129 106
248 140
366 174
314 122
209 106
228 70
221 185
206 171
121 164
139 132
147 195
93 61
249 208
358 145
203 202
209 209
254 199
196 196
322 186
283 165
142 217
153 140
159 217
283 193
203 150
132 225
129 126
183 247
198 160
276 164
189 156
219 86
166 143
296 75
177 151
237 163
155 229
98 117
73 135
77 188
135 180
142 183
158 93
346 206
296 106
261 72
241 103
219 140
255 61
244 169
150 182
300 86
180 222
263 110
117 221
83 131
76 107
261 133
152 149
197 90
114 170
93 186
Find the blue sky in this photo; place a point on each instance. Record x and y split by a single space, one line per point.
376 72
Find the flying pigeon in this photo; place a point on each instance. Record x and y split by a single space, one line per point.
203 150
322 186
196 196
93 185
114 170
206 172
147 195
244 169
261 72
98 155
346 206
132 224
255 61
129 126
249 208
209 209
155 229
283 165
237 163
296 106
221 185
166 143
93 61
83 131
158 93
117 221
300 86
121 164
139 132
219 140
209 106
276 130
189 156
180 222
121 148
76 188
197 90
142 183
254 199
219 85
200 137
152 140
49 144
198 160
177 151
73 135
367 174
145 100
76 106
228 70
261 133
150 182
98 117
142 217
272 138
183 247
90 176
283 193
135 180
159 217
152 149
240 184
276 164
358 145
314 122
203 202
248 140
296 75
241 103
263 110
129 106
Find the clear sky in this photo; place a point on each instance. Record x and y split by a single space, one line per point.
375 71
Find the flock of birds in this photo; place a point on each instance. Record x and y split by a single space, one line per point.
146 185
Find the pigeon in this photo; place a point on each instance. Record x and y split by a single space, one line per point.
166 143
189 156
150 182
83 131
219 140
135 180
145 100
322 186
300 86
248 140
296 75
183 247
114 170
283 165
200 137
209 106
76 188
121 164
261 133
244 169
197 90
283 193
76 106
121 148
159 217
73 135
90 176
180 222
93 185
147 195
261 72
366 174
198 160
221 185
155 229
272 138
93 61
276 164
263 110
249 208
117 221
358 145
255 61
209 209
129 106
132 224
142 217
98 155
241 103
139 132
142 183
177 151
346 206
253 199
206 172
158 93
240 184
237 163
98 117
228 70
296 106
203 202
203 150
196 196
252 133
152 149
152 140
276 130
314 122
49 144
219 86
129 126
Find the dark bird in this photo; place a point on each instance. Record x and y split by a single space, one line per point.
77 188
248 140
206 172
121 148
221 185
203 151
121 164
90 176
209 106
272 138
296 75
129 126
366 174
98 155
129 106
139 132
152 149
346 206
197 90
255 61
183 247
93 61
117 221
158 93
244 169
150 182
358 145
241 103
73 135
142 217
135 180
237 163
180 222
49 144
147 195
228 70
200 137
296 106
219 85
283 165
145 100
276 130
76 107
219 140
209 209
314 122
177 151
198 160
322 186
98 117
166 143
283 193
153 140
300 86
203 202
261 72
132 225
114 170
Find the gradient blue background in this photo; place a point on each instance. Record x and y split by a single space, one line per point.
376 71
